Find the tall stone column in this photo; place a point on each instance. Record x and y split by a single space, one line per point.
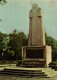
36 29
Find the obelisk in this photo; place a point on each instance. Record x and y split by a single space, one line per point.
36 28
37 53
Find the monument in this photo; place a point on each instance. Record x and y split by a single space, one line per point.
37 53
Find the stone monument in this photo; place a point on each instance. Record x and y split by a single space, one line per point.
36 31
37 53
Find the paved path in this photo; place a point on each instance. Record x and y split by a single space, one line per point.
19 78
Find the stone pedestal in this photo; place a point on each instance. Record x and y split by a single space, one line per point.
48 55
36 56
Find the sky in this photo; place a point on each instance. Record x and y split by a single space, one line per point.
15 15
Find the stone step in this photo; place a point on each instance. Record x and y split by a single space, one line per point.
33 63
25 76
28 73
29 63
23 72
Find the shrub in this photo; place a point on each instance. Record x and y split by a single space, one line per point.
3 62
18 63
13 62
53 63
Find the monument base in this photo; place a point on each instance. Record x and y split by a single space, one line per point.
39 56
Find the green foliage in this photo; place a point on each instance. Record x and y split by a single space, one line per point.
53 43
16 41
9 54
3 62
2 2
18 63
52 63
3 43
0 20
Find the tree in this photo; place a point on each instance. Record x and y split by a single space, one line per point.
8 55
0 20
2 2
16 41
53 43
3 43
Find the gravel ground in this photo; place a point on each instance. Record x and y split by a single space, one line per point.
20 78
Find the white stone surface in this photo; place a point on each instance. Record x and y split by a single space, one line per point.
36 28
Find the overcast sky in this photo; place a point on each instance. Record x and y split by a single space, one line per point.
15 15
